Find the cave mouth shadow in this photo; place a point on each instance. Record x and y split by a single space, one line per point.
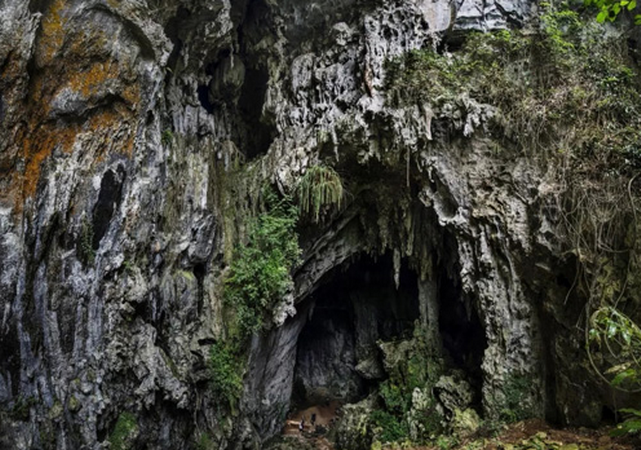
355 305
462 334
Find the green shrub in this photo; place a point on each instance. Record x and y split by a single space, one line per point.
392 428
226 379
609 10
259 278
260 273
517 392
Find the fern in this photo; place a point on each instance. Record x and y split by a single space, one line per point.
321 186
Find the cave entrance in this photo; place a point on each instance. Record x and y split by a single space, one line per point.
462 334
355 305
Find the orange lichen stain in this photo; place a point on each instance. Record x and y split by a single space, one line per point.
38 146
131 95
89 81
107 130
116 135
52 31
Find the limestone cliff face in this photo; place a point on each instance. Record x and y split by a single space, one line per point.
121 124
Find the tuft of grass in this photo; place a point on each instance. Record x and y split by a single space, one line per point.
167 138
321 187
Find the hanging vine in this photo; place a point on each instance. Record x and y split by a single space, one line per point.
320 188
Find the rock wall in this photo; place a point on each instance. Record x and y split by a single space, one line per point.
122 123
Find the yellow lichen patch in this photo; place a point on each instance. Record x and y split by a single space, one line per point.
89 41
52 32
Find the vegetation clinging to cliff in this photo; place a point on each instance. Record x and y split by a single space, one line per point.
259 278
226 378
321 187
260 274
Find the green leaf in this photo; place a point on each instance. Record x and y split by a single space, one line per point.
623 376
601 16
634 412
632 5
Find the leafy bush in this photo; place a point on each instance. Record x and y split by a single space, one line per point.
517 390
260 274
609 10
631 424
617 339
392 428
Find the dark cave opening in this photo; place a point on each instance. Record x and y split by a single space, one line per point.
355 306
462 333
260 134
203 98
108 201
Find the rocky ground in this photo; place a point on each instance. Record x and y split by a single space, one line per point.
526 435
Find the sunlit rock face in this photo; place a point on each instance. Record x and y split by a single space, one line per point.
121 125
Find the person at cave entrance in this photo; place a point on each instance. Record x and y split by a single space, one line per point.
313 420
301 425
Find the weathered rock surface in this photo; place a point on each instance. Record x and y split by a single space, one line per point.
121 122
